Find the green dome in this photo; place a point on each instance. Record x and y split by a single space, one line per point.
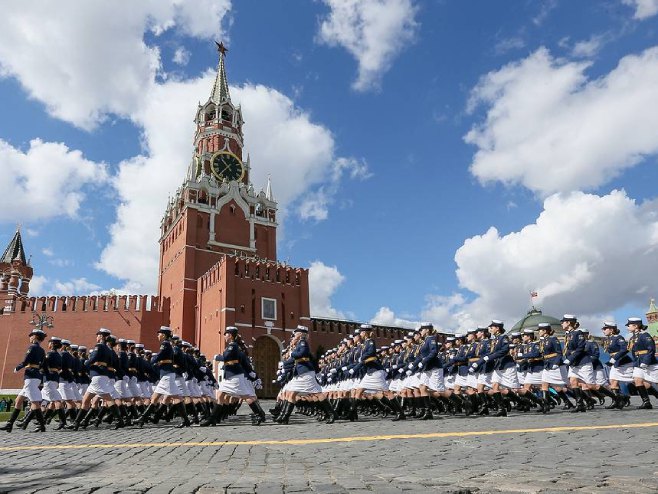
533 318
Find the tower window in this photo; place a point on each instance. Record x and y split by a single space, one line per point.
268 308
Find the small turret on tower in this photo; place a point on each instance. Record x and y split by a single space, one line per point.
15 273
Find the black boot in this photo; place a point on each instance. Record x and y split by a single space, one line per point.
580 403
214 417
82 413
62 419
427 401
286 413
48 415
646 403
397 409
183 413
282 413
353 415
99 417
9 425
114 409
565 399
617 401
502 409
41 423
652 391
27 419
484 404
141 420
259 414
329 414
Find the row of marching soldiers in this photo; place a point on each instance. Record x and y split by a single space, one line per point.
119 382
484 372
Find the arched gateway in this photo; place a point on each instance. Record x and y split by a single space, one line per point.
267 353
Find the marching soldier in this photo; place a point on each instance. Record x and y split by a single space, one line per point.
620 362
645 365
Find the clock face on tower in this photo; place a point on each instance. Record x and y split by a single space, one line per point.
226 165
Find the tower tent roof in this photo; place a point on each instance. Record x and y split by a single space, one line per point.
533 318
14 250
220 88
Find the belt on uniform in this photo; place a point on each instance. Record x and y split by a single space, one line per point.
132 369
551 355
100 364
303 359
474 359
164 362
535 359
111 369
231 362
176 366
32 366
370 359
54 369
641 352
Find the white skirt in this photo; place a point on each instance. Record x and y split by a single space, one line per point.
121 387
434 380
374 382
472 380
557 376
411 382
533 377
449 381
31 390
461 381
146 388
134 388
67 391
583 373
83 389
521 376
100 385
305 383
507 378
182 385
601 377
623 373
486 379
50 392
236 386
394 385
195 389
167 385
649 374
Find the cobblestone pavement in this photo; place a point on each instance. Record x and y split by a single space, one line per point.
614 452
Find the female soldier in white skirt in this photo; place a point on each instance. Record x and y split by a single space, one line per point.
599 388
52 366
620 363
32 378
555 373
533 364
505 379
234 384
581 372
645 365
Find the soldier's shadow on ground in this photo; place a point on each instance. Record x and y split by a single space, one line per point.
10 478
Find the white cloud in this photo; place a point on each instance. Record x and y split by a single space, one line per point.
315 205
46 181
76 286
585 254
181 56
373 31
643 8
385 316
551 129
323 282
509 44
589 47
85 60
38 285
47 251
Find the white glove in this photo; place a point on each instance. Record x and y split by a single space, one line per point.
184 375
388 370
566 361
471 370
520 354
400 371
215 357
395 367
351 372
408 373
612 361
252 375
420 365
333 371
555 367
343 368
410 366
486 358
475 366
203 369
643 366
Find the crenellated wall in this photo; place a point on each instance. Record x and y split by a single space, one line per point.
77 318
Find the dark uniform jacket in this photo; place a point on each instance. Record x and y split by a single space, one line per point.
32 361
303 358
551 350
235 360
615 345
643 349
500 353
164 359
100 359
574 350
52 366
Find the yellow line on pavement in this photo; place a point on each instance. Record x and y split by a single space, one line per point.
431 435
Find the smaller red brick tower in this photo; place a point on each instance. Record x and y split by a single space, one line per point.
216 211
15 275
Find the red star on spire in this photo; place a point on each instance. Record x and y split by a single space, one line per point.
221 48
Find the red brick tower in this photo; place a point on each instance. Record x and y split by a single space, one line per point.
15 274
216 211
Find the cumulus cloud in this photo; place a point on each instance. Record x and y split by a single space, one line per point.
372 31
181 56
589 47
549 128
585 254
85 60
76 286
315 205
46 181
385 316
323 282
643 8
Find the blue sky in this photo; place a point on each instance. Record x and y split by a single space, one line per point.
432 160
